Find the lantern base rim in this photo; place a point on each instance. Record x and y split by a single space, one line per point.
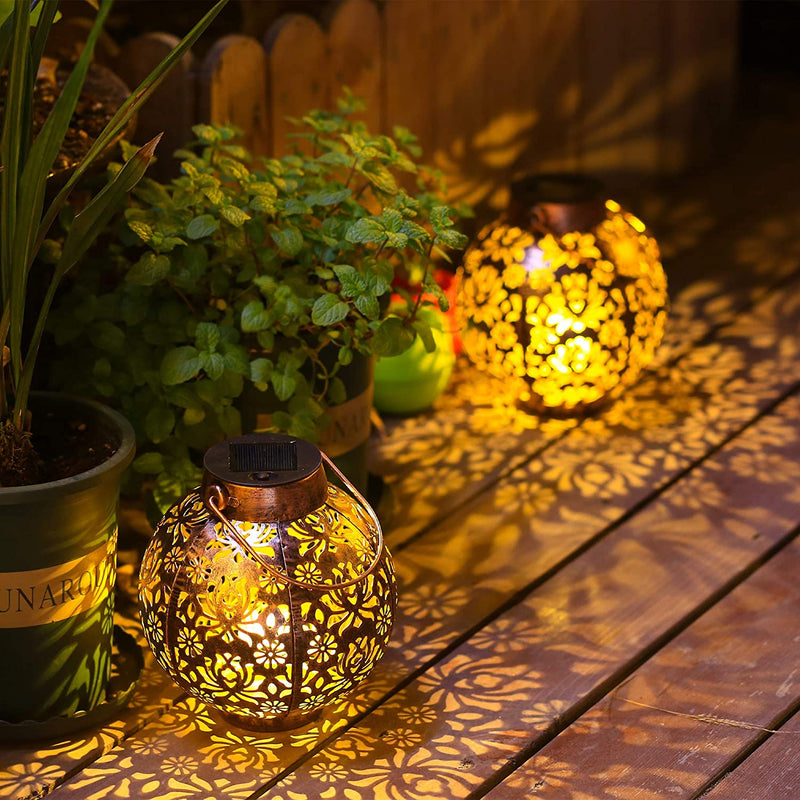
287 722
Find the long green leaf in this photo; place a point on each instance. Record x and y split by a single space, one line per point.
118 122
32 185
87 225
43 25
11 147
85 228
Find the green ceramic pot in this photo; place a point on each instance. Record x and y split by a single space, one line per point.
57 569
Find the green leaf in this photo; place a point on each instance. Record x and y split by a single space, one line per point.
213 364
266 340
179 365
379 176
106 336
345 356
149 463
368 305
148 270
366 231
234 215
328 309
423 328
207 336
352 282
255 318
438 293
328 197
283 384
288 240
236 359
158 423
207 134
202 226
230 421
260 370
193 416
337 393
392 338
451 238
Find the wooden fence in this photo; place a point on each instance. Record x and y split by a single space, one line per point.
491 87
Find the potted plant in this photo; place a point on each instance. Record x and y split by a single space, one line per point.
60 458
255 296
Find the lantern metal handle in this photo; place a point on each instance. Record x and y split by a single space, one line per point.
265 565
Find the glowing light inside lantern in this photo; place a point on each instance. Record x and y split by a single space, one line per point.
575 317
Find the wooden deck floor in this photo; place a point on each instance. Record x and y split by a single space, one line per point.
605 609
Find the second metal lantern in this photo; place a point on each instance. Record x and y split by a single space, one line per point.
268 593
564 294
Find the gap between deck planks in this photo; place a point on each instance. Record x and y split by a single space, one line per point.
643 739
770 771
511 687
760 246
671 423
158 692
748 260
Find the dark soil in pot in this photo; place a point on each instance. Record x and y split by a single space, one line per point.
103 93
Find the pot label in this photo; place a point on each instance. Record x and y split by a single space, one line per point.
39 596
350 424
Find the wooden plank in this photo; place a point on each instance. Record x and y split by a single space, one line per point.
465 570
410 68
503 692
299 73
172 107
356 56
483 131
701 49
32 769
233 89
621 98
435 462
656 734
771 771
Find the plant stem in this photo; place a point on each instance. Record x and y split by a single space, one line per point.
417 304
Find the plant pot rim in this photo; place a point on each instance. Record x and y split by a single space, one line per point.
13 495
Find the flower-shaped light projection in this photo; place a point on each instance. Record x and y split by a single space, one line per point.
565 295
268 593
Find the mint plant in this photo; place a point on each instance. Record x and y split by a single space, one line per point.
275 272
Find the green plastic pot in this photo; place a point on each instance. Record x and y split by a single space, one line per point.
57 569
411 382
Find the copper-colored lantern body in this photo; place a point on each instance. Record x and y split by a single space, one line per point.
564 295
268 604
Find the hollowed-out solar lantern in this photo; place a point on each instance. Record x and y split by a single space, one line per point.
268 592
564 295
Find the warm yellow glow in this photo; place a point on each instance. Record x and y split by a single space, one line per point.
247 643
576 317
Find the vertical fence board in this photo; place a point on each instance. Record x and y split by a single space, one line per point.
701 60
356 57
622 101
508 92
410 69
171 108
299 73
233 88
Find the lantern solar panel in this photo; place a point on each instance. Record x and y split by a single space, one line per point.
270 457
